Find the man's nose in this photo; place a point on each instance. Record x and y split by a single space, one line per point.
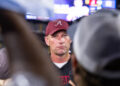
61 39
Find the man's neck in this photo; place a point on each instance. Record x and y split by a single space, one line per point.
60 59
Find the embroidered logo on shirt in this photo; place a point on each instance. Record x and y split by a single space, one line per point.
65 79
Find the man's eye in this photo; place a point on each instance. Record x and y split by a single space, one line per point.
65 35
54 35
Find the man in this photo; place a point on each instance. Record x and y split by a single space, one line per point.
97 50
59 44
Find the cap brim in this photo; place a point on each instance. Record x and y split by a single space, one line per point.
56 30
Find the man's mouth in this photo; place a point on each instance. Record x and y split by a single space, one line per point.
61 47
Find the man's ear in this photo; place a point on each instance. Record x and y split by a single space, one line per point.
47 40
70 40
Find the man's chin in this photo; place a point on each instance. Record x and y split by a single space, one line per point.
60 53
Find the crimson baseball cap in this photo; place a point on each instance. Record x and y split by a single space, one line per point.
56 25
97 43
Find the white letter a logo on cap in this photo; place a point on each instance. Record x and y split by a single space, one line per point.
58 23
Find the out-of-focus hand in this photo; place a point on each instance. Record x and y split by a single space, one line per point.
71 83
4 82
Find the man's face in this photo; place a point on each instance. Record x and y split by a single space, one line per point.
59 43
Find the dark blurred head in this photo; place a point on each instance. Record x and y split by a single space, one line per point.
97 49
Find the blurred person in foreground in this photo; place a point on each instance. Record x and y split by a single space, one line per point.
59 44
96 58
29 62
4 67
